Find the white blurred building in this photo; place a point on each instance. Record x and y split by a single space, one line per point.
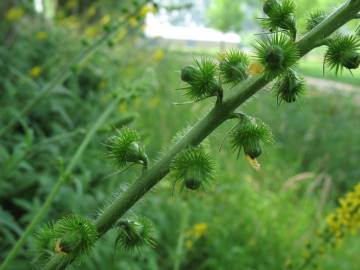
191 36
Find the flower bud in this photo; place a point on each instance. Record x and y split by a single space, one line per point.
233 66
73 236
248 135
289 86
277 54
201 79
314 19
270 6
135 233
192 180
274 57
124 147
351 60
193 168
343 52
188 74
253 150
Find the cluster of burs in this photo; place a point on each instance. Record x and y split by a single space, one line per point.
275 58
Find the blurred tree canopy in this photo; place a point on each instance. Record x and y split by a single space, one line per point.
228 15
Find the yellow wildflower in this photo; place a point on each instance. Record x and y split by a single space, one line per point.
71 20
306 255
255 68
120 35
122 107
149 8
221 56
189 244
159 55
71 4
91 31
91 11
346 218
253 162
199 229
14 14
41 35
133 21
105 19
36 71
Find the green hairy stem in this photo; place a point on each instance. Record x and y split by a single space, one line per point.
218 115
60 182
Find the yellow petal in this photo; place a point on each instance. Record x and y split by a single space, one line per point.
255 68
253 162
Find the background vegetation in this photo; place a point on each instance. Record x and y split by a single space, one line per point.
245 220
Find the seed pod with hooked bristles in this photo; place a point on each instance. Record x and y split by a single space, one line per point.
193 168
343 52
135 233
124 147
71 236
270 6
233 66
253 150
189 73
248 134
201 80
289 86
277 54
314 19
280 16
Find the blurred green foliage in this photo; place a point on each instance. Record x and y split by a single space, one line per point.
245 220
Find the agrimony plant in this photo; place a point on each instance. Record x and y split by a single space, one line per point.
278 54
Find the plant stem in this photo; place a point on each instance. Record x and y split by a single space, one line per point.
60 182
62 75
180 243
219 114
